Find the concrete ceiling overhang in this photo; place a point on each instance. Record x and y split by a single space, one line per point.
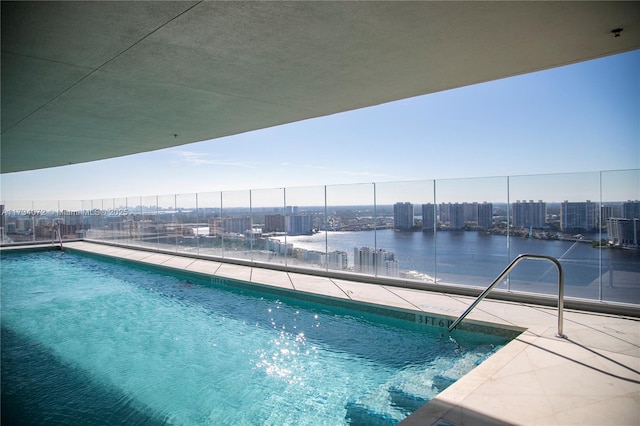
84 81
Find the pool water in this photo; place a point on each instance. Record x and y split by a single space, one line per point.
88 341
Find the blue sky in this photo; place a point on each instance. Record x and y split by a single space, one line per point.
576 118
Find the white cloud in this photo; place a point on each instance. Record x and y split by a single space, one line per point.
203 158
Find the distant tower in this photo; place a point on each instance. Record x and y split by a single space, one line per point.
299 224
403 216
529 214
485 215
578 216
273 223
375 262
631 210
428 216
456 219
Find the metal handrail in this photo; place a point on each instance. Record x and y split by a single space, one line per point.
57 234
508 269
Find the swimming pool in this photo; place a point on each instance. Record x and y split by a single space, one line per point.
91 341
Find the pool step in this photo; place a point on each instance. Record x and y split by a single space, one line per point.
405 401
440 383
359 415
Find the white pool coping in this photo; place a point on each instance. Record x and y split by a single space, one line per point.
590 378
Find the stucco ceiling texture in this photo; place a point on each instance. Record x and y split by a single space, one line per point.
83 81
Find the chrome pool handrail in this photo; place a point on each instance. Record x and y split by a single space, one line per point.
508 269
57 234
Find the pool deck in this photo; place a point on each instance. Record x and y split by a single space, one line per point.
590 378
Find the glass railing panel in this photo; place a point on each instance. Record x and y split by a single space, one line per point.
116 217
90 217
209 212
188 224
461 231
620 219
27 221
10 211
350 214
133 221
98 226
556 215
471 237
149 229
236 229
15 221
71 219
268 221
93 219
405 225
297 236
111 224
41 222
166 227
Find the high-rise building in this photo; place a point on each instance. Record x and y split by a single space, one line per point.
444 212
578 216
631 209
215 226
335 260
403 216
273 223
236 225
375 262
299 224
607 212
456 216
277 246
529 214
624 232
485 215
470 212
428 216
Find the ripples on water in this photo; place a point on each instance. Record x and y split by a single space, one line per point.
87 341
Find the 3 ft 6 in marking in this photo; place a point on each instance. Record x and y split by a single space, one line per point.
434 321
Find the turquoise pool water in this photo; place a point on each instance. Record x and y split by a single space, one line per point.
87 341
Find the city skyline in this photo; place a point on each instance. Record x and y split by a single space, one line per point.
568 120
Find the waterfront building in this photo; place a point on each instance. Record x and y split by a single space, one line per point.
375 262
624 232
335 260
236 225
485 215
607 212
456 218
631 209
299 224
277 246
428 216
215 226
403 216
473 215
578 216
470 212
273 223
529 214
444 211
